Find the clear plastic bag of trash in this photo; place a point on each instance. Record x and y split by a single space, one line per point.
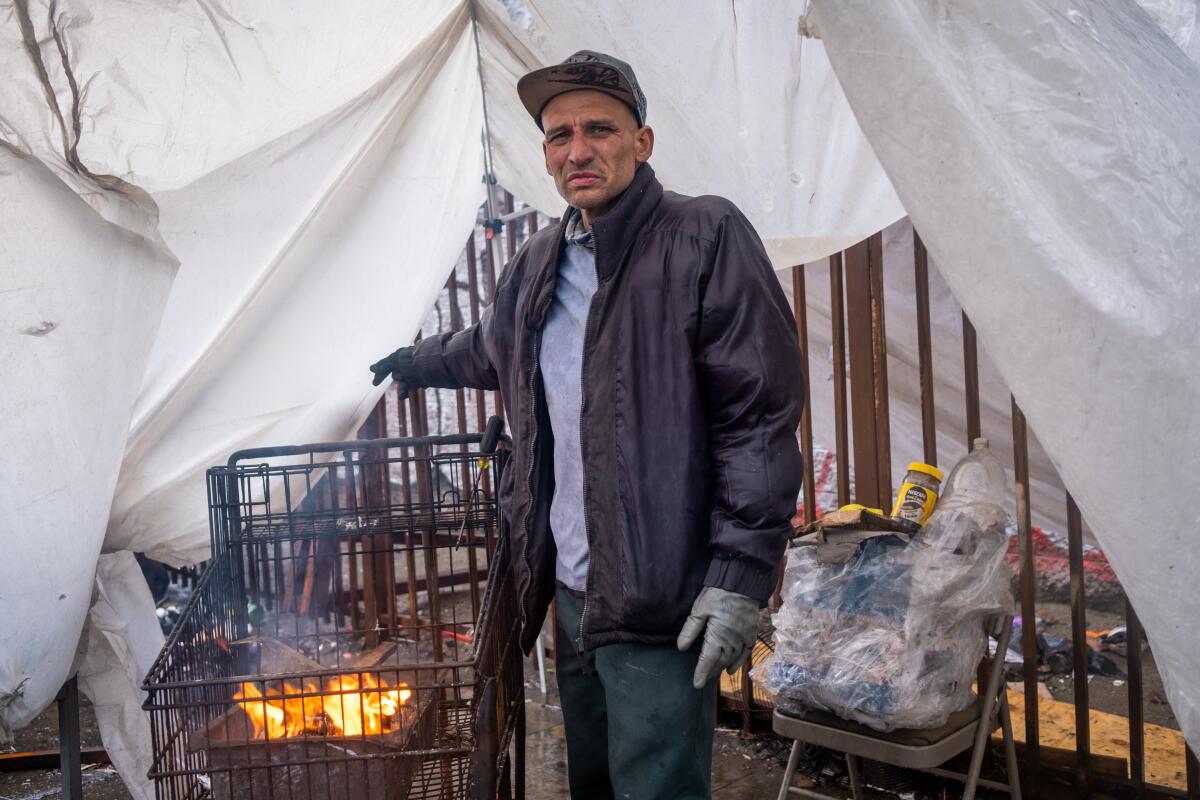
891 636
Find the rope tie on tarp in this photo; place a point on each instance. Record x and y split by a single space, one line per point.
492 225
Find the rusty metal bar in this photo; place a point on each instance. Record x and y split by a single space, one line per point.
376 497
1079 649
883 443
418 411
1193 774
460 408
925 350
488 269
747 692
860 338
837 318
1028 589
410 559
510 230
971 380
800 302
476 305
1137 734
489 288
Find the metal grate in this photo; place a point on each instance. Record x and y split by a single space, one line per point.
354 635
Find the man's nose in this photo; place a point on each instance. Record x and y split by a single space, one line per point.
580 152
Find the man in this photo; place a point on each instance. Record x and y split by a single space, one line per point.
650 374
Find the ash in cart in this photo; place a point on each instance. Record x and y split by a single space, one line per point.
648 365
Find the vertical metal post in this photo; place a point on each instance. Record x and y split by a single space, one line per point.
868 376
925 350
862 384
476 305
460 408
489 288
800 301
800 304
883 425
1137 734
971 380
410 543
510 228
69 760
1193 774
375 498
840 416
1028 599
1079 650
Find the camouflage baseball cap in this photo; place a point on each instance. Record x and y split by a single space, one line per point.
586 69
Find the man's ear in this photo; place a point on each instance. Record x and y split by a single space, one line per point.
643 143
546 158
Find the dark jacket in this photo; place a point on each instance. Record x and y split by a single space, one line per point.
691 392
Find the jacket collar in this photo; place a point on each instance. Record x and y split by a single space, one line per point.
612 233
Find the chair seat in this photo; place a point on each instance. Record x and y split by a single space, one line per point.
918 748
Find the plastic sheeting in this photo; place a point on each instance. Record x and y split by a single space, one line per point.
315 169
303 259
83 280
740 103
888 630
305 195
1049 152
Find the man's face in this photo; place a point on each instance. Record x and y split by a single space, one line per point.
593 146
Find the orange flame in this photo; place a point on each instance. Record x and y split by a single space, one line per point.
342 706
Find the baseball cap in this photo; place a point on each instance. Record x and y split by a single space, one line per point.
586 69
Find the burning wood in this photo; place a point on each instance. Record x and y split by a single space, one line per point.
338 706
305 737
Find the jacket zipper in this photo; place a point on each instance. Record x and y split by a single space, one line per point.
537 344
587 528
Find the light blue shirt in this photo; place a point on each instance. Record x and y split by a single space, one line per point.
561 361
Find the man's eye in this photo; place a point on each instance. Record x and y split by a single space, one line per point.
601 129
557 138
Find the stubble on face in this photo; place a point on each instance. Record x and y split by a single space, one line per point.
593 147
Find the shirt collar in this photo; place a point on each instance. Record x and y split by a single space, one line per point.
575 233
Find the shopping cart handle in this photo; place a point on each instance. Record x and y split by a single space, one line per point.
491 435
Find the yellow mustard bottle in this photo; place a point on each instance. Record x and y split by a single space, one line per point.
918 493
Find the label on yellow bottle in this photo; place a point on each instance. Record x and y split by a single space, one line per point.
914 503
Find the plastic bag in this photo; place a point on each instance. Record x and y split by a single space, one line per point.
891 637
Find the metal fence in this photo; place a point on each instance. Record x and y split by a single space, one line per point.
862 451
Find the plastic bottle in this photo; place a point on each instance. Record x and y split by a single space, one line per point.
977 478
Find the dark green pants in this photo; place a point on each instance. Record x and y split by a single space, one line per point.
635 726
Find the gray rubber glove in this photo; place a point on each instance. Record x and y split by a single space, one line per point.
730 624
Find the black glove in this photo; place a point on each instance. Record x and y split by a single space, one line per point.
400 366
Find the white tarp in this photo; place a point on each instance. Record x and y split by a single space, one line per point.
1049 152
83 280
316 169
301 257
740 103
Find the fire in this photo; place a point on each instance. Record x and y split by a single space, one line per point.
341 706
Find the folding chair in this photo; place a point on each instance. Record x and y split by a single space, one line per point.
921 749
